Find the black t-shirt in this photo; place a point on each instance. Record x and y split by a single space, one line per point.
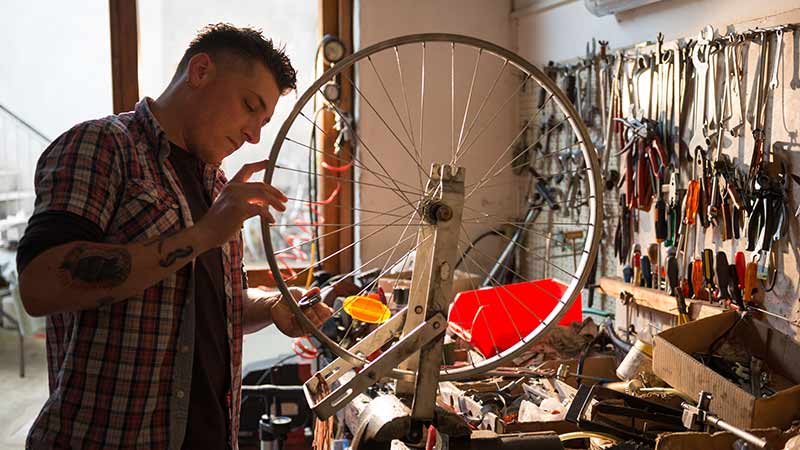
207 426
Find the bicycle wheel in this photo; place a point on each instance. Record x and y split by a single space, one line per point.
548 162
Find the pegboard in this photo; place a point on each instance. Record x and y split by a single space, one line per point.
782 120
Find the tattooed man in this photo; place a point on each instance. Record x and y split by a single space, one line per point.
134 254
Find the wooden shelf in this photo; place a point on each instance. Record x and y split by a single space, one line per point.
655 299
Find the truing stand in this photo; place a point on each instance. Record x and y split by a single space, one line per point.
421 325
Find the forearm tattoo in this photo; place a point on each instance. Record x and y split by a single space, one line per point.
174 255
97 267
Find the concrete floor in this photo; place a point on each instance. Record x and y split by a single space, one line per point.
23 397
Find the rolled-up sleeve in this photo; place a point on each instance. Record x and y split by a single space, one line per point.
81 173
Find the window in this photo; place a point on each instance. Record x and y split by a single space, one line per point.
56 74
165 30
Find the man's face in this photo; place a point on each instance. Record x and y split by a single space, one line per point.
232 102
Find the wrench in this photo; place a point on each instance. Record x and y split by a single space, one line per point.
700 63
773 83
759 108
738 107
795 83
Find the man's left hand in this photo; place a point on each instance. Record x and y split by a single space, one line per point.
285 320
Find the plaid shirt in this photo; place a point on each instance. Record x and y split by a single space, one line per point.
120 374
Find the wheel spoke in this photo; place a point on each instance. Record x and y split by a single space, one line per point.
453 99
405 100
498 285
375 158
340 179
356 270
422 108
485 176
486 323
505 166
355 160
349 208
391 101
491 121
366 100
483 103
346 227
469 99
340 251
531 252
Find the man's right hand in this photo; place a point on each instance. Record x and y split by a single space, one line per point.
239 200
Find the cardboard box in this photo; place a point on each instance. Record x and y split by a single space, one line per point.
722 440
673 363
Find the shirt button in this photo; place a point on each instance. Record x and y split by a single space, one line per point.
184 348
179 393
230 327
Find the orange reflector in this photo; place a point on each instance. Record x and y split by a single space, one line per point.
366 309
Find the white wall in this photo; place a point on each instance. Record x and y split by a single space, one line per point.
562 32
378 20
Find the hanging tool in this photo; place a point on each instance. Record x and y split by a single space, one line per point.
708 273
757 119
750 282
653 252
723 278
675 291
734 288
741 265
661 235
646 270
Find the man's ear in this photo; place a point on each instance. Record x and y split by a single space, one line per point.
200 70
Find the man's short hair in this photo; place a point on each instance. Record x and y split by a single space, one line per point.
245 43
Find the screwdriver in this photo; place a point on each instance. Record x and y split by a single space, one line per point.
708 272
734 286
672 279
697 280
627 273
723 277
740 268
692 201
647 275
661 235
653 251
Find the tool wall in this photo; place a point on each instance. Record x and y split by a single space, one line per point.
698 142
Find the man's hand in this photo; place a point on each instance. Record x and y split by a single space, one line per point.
285 320
239 200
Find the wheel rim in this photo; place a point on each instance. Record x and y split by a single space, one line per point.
593 206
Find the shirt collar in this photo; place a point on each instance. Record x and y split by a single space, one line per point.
157 138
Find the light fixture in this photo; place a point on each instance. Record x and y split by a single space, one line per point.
333 49
331 91
602 8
